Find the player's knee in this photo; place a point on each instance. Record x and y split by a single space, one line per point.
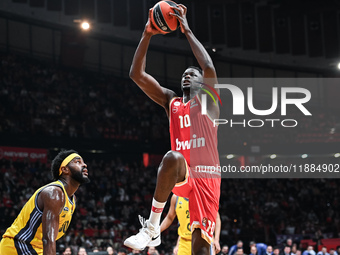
173 158
172 161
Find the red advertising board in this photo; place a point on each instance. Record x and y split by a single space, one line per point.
18 153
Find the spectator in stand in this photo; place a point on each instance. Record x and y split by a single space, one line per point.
260 247
82 251
269 250
240 251
318 236
110 250
225 249
287 250
338 250
95 249
234 248
276 251
67 251
122 251
134 252
289 242
253 250
309 251
152 251
323 251
298 252
294 248
332 252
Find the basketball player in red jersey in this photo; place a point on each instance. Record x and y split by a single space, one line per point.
193 144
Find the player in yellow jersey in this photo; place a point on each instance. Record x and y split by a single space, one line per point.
179 206
47 214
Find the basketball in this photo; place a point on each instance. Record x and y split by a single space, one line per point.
161 18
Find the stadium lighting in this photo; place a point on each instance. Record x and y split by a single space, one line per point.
85 25
304 155
337 155
230 156
273 156
339 65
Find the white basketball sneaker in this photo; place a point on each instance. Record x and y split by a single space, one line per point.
148 236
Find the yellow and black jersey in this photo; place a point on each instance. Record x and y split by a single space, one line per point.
25 234
183 216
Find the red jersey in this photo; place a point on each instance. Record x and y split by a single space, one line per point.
195 136
192 133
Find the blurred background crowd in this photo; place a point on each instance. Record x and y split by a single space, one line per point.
40 101
107 208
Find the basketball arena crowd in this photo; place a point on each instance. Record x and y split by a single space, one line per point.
38 99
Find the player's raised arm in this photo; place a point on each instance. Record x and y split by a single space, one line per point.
145 81
203 58
51 201
201 55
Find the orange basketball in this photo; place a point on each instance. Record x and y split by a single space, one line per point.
161 18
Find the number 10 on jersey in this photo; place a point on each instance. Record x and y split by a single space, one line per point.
184 121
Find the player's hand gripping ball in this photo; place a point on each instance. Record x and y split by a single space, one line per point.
161 18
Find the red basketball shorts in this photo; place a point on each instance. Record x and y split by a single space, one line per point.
204 196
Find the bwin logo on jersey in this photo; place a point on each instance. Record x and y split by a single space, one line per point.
192 143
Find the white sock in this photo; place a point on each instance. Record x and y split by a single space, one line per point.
156 212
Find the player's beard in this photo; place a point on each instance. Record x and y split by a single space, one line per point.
79 177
